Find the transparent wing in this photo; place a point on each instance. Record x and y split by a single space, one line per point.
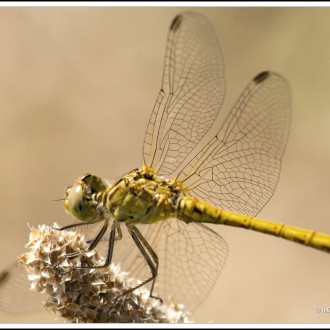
239 169
15 296
191 257
191 95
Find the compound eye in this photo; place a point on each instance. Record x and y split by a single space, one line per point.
78 205
94 183
85 177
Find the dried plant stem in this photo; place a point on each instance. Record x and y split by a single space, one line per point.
88 295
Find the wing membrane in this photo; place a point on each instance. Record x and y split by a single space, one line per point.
239 169
191 259
191 95
15 296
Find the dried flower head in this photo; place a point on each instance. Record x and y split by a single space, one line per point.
91 294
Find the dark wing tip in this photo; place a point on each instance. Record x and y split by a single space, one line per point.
177 20
3 276
260 77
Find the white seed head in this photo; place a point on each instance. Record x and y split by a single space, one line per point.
91 294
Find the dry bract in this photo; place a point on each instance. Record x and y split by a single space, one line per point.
88 295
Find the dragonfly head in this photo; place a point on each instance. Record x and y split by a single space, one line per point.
81 197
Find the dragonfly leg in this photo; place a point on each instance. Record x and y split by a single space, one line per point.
92 245
77 225
117 238
151 260
112 239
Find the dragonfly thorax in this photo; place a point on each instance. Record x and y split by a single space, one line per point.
142 197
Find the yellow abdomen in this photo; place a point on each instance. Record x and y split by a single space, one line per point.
191 209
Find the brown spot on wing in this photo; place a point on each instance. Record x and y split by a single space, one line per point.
259 78
176 23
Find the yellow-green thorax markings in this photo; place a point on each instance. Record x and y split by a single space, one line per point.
142 197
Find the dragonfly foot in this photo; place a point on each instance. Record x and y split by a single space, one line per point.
157 298
125 295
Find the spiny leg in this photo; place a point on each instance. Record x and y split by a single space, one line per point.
91 246
112 239
141 244
77 225
80 224
152 262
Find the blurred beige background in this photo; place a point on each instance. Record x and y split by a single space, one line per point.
77 86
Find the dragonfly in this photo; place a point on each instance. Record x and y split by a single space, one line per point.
155 219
